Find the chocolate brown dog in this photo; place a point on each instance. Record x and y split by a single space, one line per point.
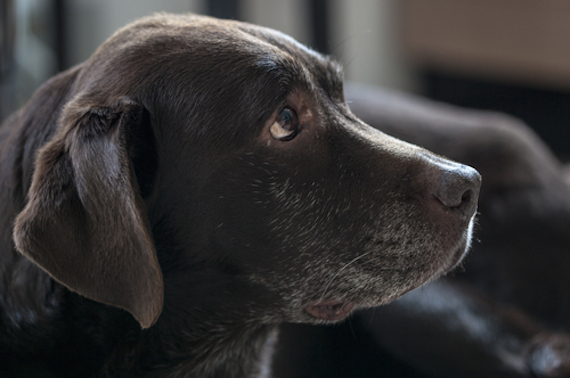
207 177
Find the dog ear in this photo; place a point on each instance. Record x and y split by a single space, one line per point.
84 222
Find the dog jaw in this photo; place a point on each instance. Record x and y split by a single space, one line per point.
330 310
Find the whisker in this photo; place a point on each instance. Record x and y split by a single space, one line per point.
339 272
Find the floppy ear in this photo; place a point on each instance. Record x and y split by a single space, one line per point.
84 222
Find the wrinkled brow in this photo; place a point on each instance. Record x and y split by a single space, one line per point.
288 73
314 70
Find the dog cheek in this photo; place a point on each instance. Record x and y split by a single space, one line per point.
318 236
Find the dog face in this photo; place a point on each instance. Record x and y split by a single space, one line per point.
190 145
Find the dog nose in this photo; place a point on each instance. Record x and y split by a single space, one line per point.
459 188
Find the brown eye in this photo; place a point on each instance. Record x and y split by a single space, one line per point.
286 126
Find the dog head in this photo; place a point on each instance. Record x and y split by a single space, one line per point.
225 147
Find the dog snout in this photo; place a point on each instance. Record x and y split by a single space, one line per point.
458 188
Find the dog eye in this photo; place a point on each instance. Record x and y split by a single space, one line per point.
286 126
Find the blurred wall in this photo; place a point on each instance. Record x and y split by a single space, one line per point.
27 40
289 16
367 37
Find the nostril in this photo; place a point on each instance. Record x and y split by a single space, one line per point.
468 203
459 189
466 197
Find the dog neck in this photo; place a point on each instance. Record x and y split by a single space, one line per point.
236 354
219 334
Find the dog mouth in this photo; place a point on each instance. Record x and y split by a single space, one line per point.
330 309
336 309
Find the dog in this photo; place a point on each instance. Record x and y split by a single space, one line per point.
168 203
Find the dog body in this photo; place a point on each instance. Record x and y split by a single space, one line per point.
207 178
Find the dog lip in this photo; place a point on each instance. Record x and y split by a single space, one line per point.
330 309
456 256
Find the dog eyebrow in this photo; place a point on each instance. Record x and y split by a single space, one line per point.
288 74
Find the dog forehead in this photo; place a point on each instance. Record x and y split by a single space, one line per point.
212 40
174 54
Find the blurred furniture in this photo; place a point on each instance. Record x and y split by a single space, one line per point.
507 55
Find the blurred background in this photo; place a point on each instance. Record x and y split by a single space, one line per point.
507 55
